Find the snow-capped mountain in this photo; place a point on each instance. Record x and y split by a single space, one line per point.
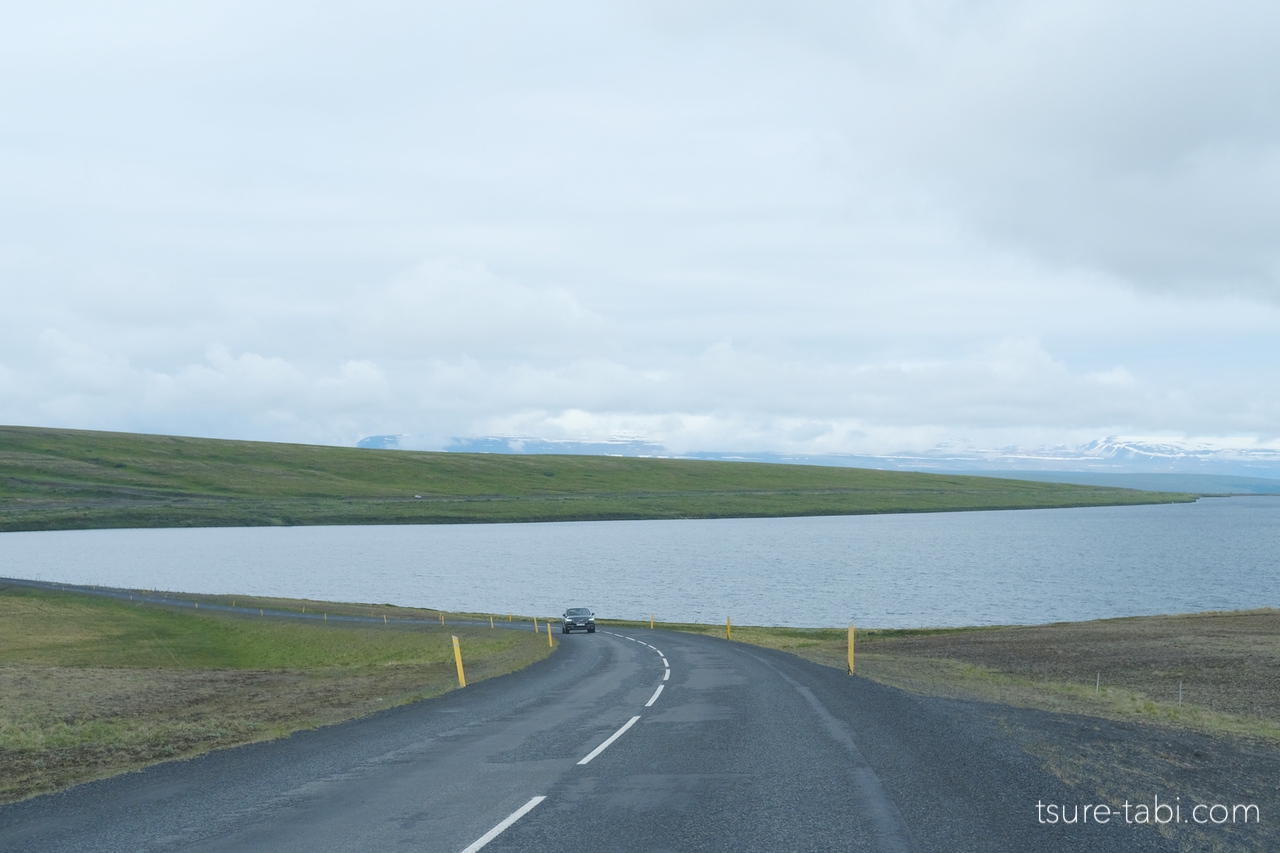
1104 456
1118 455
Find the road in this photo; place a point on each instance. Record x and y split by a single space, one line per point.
742 749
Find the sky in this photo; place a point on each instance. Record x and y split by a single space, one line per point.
794 227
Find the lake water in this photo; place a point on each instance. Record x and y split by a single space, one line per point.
934 569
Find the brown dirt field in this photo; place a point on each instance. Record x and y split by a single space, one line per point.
1228 665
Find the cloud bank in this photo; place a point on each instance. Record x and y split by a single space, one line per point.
792 228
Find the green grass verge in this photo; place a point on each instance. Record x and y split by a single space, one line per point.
91 686
61 479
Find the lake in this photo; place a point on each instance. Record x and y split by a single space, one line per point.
934 569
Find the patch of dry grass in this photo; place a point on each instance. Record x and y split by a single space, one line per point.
1227 663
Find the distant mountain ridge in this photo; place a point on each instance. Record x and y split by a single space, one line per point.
1204 484
1107 455
1110 455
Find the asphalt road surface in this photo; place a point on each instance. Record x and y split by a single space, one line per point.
661 742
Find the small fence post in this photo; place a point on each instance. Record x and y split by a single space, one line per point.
457 658
851 648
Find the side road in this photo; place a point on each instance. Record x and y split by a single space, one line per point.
663 741
193 603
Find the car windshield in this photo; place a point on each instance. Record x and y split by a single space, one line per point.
577 611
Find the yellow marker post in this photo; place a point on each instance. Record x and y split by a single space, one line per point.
490 621
535 624
457 658
728 628
326 617
510 616
441 618
384 618
650 621
851 648
549 643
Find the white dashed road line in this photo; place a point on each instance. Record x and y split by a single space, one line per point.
602 747
511 818
666 675
529 806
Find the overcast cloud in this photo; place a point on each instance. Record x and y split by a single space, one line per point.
796 227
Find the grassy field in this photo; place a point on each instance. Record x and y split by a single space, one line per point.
90 687
61 479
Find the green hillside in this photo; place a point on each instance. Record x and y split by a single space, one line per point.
60 479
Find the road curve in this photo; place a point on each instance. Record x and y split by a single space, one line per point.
637 740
